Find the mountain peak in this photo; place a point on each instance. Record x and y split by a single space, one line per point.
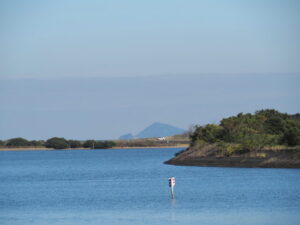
158 129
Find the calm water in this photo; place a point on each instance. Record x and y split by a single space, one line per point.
127 187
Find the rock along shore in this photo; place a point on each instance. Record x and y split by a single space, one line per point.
258 159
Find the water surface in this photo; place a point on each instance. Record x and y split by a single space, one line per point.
116 187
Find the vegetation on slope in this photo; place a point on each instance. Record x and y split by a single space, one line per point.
266 139
247 132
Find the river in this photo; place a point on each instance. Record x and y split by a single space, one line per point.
127 187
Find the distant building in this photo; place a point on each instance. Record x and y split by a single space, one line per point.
162 138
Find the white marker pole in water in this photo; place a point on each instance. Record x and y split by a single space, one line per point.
172 185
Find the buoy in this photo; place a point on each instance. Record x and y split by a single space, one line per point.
172 185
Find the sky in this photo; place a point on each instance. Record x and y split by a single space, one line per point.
99 69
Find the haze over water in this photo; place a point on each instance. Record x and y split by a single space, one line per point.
131 187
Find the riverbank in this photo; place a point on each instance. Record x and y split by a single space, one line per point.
209 156
49 149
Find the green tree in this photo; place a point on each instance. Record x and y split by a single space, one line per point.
275 125
104 144
74 144
292 136
253 141
17 142
209 133
89 144
271 113
57 143
251 131
35 143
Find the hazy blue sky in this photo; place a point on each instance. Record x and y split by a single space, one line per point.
104 38
99 69
104 108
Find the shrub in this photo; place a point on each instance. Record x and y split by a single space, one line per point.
57 143
74 144
292 137
37 143
2 143
209 133
89 144
252 131
17 142
229 149
104 144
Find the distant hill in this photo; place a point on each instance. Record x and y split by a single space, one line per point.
159 130
155 130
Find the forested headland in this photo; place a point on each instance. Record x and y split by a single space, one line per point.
267 138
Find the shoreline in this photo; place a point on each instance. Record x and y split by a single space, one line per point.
236 163
72 149
257 159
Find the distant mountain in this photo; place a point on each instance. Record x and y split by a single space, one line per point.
155 130
126 137
159 130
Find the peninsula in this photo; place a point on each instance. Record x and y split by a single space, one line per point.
266 139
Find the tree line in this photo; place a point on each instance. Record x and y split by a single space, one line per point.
57 143
247 132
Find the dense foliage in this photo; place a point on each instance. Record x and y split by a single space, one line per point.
98 144
74 144
251 131
57 143
104 144
21 142
89 144
17 142
35 143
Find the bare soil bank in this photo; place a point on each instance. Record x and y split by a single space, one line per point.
259 159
